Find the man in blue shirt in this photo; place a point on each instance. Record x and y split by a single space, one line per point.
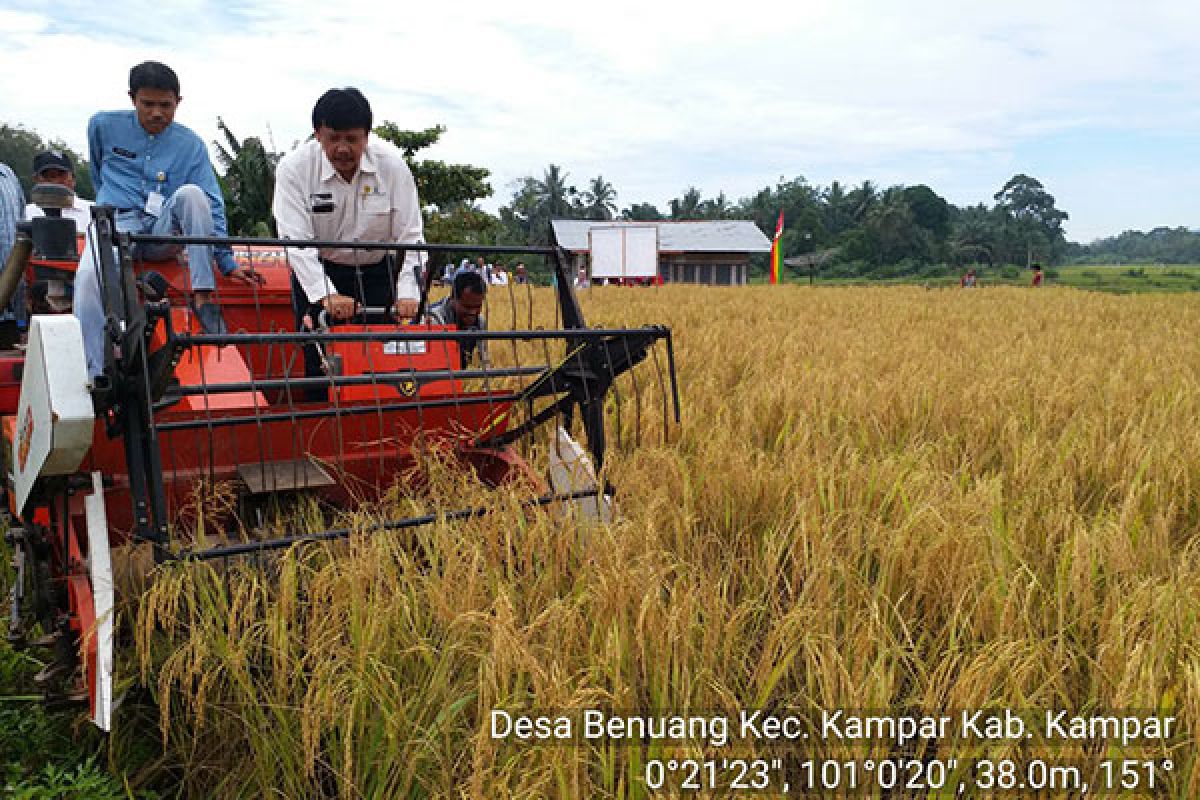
12 210
157 174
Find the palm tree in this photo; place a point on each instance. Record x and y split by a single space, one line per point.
976 234
837 209
716 208
893 231
862 201
249 180
600 200
687 207
553 195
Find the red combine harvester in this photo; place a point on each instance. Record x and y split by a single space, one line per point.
113 461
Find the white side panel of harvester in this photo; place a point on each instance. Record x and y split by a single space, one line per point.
55 416
100 565
571 471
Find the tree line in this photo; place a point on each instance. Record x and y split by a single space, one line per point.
853 231
1159 246
18 146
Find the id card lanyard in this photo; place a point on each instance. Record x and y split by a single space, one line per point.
155 200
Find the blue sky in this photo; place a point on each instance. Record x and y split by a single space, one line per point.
1099 100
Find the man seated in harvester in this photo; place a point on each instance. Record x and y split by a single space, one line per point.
463 309
156 173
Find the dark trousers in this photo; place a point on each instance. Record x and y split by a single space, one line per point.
372 285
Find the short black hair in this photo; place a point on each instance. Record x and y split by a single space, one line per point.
342 110
153 75
468 279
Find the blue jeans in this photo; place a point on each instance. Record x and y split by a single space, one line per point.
187 212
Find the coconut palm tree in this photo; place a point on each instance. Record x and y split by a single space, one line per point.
717 207
862 201
688 206
600 200
553 195
249 182
838 212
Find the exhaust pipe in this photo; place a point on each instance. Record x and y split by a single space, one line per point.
14 267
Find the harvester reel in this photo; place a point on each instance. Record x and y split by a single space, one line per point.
177 411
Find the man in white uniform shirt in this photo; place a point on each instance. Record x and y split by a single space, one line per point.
53 166
345 185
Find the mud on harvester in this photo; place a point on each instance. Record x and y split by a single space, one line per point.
114 462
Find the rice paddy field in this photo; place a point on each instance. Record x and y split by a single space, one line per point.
889 502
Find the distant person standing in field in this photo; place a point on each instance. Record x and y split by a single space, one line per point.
969 281
1037 275
520 274
484 269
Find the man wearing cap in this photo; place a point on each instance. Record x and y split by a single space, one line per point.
157 174
54 166
346 185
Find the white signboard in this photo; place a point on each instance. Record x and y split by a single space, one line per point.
641 252
624 252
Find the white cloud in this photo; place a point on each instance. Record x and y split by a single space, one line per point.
653 96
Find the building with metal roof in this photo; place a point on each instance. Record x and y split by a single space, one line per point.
694 251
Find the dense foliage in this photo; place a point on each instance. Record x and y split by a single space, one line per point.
862 231
857 231
1159 246
18 146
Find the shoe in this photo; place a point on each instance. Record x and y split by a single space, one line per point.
212 321
154 286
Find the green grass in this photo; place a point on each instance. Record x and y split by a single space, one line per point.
1115 278
1132 277
47 755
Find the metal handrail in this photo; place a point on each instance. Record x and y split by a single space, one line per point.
338 244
